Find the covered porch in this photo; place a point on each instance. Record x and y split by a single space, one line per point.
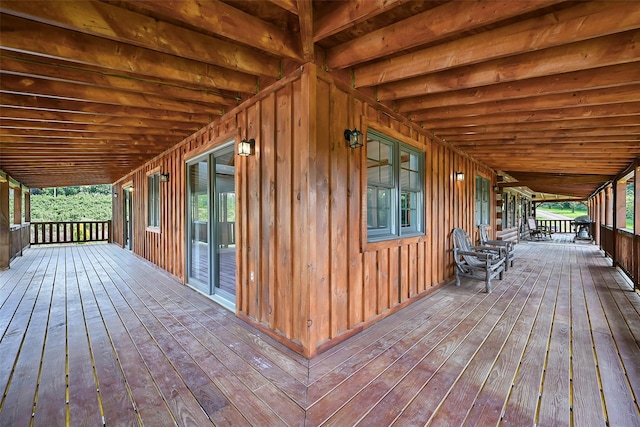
92 335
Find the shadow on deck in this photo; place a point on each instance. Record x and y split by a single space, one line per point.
91 334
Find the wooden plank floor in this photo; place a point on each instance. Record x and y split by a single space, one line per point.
92 335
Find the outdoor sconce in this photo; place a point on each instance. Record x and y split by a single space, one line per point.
164 177
246 148
354 137
496 189
459 176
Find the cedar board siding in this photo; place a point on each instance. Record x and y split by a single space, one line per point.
301 222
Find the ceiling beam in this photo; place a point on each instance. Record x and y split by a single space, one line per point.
82 118
598 78
59 70
217 17
562 59
622 113
555 29
593 97
305 17
26 101
52 88
447 20
344 15
121 25
22 35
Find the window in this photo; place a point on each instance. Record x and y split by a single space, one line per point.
482 201
153 207
395 174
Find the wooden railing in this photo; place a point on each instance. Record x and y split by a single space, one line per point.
624 248
627 254
557 225
607 236
46 233
18 239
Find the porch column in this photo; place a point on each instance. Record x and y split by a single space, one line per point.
636 199
620 198
5 240
609 206
27 206
17 205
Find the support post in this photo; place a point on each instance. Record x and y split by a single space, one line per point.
5 237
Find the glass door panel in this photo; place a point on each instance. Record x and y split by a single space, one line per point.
225 283
211 252
199 213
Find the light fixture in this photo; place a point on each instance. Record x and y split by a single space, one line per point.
164 177
459 176
246 148
354 137
496 189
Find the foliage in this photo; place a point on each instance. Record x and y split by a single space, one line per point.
89 203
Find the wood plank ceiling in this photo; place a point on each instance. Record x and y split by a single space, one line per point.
546 91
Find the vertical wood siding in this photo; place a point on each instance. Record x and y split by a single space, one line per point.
301 221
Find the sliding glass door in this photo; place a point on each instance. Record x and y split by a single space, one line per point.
211 214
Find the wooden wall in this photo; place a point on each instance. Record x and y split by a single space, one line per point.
301 225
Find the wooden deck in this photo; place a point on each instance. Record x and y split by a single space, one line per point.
92 335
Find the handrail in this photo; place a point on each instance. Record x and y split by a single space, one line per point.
53 232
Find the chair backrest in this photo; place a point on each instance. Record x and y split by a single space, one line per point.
483 231
462 241
531 221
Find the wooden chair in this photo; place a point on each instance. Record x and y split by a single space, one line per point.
477 262
537 231
507 246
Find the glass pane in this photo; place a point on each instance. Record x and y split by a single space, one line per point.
199 223
225 227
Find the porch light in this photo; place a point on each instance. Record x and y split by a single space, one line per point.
246 148
459 176
354 137
164 177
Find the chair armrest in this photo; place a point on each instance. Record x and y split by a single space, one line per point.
486 249
506 243
481 255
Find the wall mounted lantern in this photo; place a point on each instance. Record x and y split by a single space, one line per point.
459 176
164 177
354 137
246 148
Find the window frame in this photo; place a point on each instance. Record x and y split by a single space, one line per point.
397 211
153 200
484 189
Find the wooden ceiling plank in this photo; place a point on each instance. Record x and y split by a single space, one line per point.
52 88
105 78
631 140
594 97
50 134
587 133
22 35
288 5
121 25
555 29
348 14
584 147
214 16
87 127
599 78
574 115
26 101
565 118
432 25
562 59
81 118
